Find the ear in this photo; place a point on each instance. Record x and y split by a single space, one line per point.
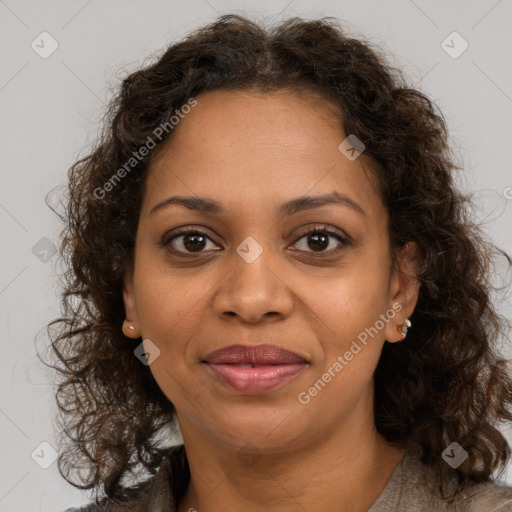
131 328
404 290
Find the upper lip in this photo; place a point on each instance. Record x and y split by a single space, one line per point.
255 354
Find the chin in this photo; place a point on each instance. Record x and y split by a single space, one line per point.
271 432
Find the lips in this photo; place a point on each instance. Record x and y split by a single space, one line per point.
254 369
253 355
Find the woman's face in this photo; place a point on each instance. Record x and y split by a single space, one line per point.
254 276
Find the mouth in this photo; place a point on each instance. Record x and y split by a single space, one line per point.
254 369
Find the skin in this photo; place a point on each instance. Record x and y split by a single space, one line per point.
252 152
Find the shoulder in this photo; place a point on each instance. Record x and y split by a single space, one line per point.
489 497
86 508
155 493
90 507
136 497
415 487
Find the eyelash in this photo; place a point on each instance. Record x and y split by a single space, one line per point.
317 229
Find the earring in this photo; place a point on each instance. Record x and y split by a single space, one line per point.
405 326
130 326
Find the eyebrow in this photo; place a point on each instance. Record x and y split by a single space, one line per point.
205 205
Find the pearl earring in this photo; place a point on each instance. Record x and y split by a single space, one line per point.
407 323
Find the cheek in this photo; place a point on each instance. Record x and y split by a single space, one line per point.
163 296
350 329
168 314
353 301
165 303
351 333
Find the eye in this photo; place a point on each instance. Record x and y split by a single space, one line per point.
189 242
320 238
186 240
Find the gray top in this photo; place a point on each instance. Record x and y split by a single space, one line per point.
412 487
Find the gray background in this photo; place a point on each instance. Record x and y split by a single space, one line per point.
51 110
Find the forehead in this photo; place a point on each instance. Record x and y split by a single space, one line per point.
258 147
249 119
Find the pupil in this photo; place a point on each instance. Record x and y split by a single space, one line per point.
189 244
316 237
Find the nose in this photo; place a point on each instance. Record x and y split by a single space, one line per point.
254 290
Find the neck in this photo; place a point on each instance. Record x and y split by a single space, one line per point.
348 467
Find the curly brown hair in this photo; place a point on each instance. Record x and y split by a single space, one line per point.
447 383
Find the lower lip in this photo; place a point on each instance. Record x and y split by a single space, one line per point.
255 379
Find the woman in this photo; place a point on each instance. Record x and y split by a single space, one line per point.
266 215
